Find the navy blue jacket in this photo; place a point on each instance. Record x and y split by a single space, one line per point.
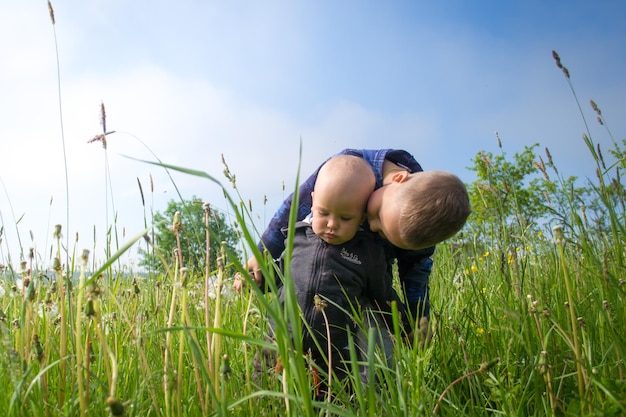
346 277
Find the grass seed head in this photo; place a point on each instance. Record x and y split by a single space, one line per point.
115 406
485 159
177 224
557 59
37 348
184 276
90 310
99 138
559 236
229 175
595 108
485 366
51 12
600 156
103 118
319 303
225 369
499 141
549 155
56 265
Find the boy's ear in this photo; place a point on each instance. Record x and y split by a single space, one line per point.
400 176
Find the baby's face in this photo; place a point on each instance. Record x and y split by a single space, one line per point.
336 217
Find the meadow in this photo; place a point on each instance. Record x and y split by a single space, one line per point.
523 324
527 320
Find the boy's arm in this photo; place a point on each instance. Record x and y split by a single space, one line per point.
414 268
273 238
379 288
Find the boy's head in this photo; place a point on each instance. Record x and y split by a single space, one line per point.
339 199
419 210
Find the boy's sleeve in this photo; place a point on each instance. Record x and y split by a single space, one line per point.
414 268
380 289
273 238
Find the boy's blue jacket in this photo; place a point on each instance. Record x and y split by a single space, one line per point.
414 267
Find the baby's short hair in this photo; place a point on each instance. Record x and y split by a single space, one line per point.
434 206
350 173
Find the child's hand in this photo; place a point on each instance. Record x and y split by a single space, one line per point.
423 333
239 283
255 274
254 269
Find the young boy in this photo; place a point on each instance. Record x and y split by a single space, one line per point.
337 267
410 209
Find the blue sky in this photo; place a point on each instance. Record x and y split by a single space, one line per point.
195 80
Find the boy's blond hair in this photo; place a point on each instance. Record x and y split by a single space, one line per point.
434 206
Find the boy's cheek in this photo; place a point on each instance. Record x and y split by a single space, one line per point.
373 223
372 218
374 202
